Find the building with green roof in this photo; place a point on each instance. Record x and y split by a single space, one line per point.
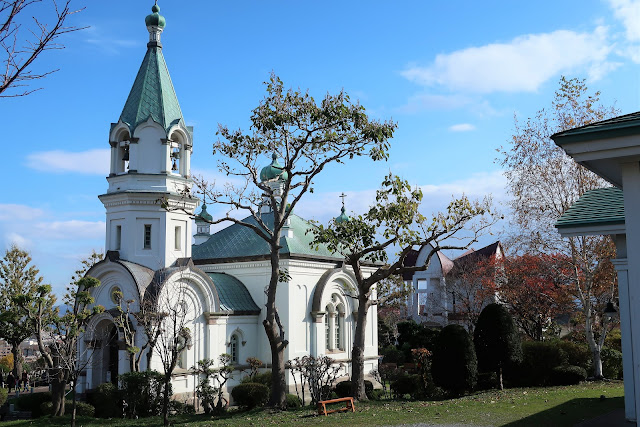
611 149
209 296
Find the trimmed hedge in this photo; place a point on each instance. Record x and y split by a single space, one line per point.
105 399
250 395
260 378
3 395
32 402
568 375
538 360
293 401
454 366
407 384
82 409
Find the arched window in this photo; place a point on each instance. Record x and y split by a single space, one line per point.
327 330
233 348
339 328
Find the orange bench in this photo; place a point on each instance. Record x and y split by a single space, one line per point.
322 405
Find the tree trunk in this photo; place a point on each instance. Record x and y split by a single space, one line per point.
149 356
73 406
165 400
499 375
276 342
58 387
17 361
357 353
593 345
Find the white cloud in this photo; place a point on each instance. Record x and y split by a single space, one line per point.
462 127
92 162
521 65
9 212
628 12
18 240
70 230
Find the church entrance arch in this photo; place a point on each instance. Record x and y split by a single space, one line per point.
105 357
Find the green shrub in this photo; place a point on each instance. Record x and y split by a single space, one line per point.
614 340
343 388
497 341
538 360
180 408
486 380
578 354
250 395
611 363
3 395
82 409
377 395
260 378
392 355
407 384
105 399
293 401
568 375
143 392
32 402
454 366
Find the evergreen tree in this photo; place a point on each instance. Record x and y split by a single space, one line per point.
454 366
496 340
17 277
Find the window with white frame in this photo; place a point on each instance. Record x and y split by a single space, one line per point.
334 325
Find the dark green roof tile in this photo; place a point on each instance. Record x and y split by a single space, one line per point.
152 94
234 296
603 206
237 241
616 126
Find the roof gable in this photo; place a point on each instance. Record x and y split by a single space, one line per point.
234 296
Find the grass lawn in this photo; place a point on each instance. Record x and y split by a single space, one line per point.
552 406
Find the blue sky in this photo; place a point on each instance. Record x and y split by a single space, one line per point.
451 74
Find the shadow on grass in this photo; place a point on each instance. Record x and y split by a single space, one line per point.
571 413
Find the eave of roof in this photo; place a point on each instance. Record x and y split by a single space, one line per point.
628 124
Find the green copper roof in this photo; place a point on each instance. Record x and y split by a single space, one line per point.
152 94
342 217
234 296
237 241
274 170
155 18
204 215
603 206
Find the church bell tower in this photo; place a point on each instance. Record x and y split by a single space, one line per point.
151 148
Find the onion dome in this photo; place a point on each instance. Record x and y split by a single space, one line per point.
273 171
204 215
343 217
155 19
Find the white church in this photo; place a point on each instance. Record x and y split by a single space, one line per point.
221 279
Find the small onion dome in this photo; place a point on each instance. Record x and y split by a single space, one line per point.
155 19
204 215
273 171
343 217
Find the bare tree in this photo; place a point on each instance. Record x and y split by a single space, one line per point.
544 182
176 313
22 41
